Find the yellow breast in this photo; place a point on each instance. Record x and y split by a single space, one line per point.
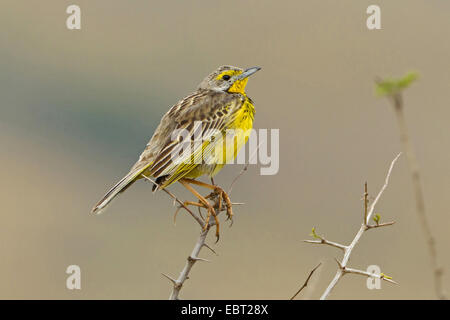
237 134
228 146
245 116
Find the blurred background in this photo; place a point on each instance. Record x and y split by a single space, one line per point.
78 107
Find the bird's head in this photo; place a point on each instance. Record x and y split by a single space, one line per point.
228 79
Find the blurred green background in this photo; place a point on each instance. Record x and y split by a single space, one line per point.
77 108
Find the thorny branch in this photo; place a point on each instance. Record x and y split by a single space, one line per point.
368 212
193 257
305 284
201 240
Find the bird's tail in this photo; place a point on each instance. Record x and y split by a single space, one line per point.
120 186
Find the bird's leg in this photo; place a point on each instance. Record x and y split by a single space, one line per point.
205 203
219 200
217 190
185 204
212 194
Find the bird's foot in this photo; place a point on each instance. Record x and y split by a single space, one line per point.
222 196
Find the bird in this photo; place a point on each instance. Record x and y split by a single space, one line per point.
218 106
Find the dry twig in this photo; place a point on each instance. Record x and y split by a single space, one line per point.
395 96
305 284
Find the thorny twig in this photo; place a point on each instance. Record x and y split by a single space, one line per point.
368 212
193 257
322 240
305 284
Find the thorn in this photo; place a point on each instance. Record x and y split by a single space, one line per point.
339 264
199 259
392 281
170 279
207 246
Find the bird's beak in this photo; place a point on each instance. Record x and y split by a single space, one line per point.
247 73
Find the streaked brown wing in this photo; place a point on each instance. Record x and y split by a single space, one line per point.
202 111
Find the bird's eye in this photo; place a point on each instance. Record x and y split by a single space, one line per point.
226 77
